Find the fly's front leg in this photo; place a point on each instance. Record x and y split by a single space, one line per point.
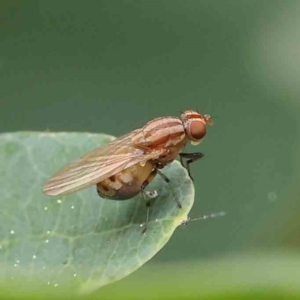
145 183
190 157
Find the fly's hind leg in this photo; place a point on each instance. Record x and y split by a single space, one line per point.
145 183
191 157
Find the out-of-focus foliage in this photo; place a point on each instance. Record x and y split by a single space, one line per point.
248 276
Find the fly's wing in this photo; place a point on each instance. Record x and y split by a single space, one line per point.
99 164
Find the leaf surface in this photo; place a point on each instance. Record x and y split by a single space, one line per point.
80 241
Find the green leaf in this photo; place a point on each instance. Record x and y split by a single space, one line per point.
78 242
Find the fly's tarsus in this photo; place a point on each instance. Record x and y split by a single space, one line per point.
190 158
147 211
145 183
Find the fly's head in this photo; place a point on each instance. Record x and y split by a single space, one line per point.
195 125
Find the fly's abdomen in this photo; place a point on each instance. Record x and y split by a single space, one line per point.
125 184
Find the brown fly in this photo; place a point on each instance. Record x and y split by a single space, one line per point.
124 167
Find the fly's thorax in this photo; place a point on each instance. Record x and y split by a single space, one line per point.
171 153
125 184
164 132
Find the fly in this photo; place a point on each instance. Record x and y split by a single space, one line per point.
124 167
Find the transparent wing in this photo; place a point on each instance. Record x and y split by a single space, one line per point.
100 164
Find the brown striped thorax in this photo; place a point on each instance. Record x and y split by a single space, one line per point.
125 166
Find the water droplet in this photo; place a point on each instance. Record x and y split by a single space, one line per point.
44 268
55 284
0 247
48 232
75 275
59 201
72 206
12 232
156 220
48 282
34 256
47 241
17 261
141 225
45 208
15 265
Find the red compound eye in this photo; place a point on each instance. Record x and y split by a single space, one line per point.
197 130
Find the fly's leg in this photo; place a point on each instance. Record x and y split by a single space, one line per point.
145 183
167 180
147 211
191 157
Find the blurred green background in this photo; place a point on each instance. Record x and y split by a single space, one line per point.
111 66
